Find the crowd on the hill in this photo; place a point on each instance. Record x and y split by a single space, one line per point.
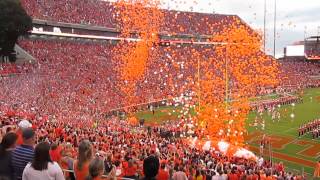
114 149
312 128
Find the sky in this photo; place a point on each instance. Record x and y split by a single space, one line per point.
295 18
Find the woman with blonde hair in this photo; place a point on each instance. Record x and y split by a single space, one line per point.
81 165
67 160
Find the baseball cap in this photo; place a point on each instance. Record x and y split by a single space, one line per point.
24 124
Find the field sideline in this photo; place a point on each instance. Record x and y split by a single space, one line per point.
298 154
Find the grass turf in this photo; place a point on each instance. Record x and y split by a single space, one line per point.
286 127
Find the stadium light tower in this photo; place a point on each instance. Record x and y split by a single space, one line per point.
264 25
305 32
275 28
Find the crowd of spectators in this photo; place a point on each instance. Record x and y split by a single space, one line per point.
103 13
112 148
91 12
8 68
80 77
299 74
74 84
313 54
72 74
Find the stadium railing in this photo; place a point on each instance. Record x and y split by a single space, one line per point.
104 176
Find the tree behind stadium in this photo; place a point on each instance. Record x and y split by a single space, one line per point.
14 22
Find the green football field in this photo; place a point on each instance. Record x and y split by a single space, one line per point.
286 145
287 128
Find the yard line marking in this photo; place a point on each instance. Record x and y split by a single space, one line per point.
289 130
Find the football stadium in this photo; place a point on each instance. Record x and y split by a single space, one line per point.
130 89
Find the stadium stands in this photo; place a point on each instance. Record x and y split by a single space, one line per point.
74 83
102 13
168 74
6 69
298 74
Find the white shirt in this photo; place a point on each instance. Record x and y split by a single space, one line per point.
53 172
219 177
215 177
179 175
260 162
224 176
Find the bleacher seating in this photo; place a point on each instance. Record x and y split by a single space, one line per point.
103 13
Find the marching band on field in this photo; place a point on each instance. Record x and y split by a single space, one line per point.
312 127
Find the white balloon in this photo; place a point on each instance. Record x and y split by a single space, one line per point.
292 115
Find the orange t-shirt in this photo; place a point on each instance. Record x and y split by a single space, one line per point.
255 177
130 171
317 170
81 174
56 154
233 177
163 175
263 177
64 165
270 178
20 138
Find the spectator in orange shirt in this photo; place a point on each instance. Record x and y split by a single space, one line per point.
280 167
163 174
263 175
81 165
316 173
131 170
233 175
55 153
